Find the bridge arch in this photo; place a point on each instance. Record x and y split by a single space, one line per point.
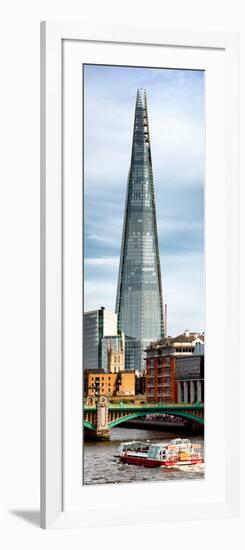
188 412
137 414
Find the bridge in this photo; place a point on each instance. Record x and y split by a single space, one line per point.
102 416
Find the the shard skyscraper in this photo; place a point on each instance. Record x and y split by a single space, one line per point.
139 302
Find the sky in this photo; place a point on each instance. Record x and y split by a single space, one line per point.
175 101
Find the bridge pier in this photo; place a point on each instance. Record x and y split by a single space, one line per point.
102 428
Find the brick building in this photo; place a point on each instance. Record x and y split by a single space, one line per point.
160 380
174 372
114 384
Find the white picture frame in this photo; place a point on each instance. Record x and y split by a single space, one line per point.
58 388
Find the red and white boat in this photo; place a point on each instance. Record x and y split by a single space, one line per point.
179 452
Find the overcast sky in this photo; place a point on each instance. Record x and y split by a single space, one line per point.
176 120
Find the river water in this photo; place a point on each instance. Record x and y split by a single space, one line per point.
100 466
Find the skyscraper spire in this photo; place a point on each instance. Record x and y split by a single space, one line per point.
139 302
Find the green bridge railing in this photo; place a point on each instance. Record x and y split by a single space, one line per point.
147 406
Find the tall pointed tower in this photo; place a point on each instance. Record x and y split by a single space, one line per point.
139 302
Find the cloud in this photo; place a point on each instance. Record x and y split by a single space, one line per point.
104 262
184 291
100 292
175 105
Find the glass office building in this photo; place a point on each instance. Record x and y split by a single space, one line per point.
139 303
96 325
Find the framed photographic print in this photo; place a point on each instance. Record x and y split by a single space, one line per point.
139 275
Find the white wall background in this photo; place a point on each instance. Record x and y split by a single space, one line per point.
19 254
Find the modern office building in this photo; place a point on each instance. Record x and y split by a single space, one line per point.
96 325
131 352
189 377
139 303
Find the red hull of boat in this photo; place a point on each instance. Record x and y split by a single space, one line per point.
139 461
148 463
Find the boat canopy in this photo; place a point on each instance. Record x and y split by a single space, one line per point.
133 445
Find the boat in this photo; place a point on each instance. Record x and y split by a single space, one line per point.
141 448
178 452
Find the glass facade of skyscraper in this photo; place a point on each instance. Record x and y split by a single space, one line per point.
139 302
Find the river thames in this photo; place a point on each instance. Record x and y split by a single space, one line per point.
100 466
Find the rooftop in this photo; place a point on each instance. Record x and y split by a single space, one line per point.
169 341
